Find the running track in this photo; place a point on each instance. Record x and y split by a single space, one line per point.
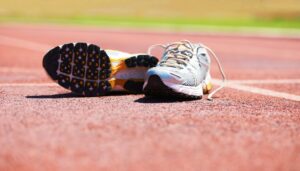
253 124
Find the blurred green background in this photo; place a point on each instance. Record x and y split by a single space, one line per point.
155 13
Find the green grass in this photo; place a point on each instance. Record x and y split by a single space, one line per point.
155 22
174 14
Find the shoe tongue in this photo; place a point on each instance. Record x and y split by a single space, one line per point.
179 46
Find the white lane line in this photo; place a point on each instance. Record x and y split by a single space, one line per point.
246 88
261 91
25 44
267 81
27 84
19 70
281 81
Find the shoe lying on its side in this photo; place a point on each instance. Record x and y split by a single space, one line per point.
86 69
183 72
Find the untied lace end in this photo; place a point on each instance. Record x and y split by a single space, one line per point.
210 95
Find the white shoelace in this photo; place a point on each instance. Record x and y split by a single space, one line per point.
183 57
209 97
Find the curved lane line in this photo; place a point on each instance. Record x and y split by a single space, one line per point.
256 90
10 41
245 88
24 44
27 84
281 81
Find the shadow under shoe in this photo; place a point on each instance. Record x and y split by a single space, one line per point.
156 88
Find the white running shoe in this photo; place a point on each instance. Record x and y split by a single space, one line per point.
184 72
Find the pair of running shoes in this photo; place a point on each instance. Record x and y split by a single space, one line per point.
182 72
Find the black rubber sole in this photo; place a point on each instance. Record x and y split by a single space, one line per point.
86 69
156 88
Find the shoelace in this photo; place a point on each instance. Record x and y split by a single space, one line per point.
165 47
209 97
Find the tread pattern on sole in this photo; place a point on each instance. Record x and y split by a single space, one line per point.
85 69
156 88
141 61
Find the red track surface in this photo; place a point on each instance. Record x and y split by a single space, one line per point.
42 127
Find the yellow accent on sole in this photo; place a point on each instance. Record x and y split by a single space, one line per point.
115 69
117 59
121 82
207 88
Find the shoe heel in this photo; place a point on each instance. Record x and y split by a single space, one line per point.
134 63
141 61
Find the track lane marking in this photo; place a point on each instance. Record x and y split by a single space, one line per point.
256 90
24 44
20 70
27 84
235 84
241 87
273 81
267 81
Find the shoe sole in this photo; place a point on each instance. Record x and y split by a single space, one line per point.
156 88
86 69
